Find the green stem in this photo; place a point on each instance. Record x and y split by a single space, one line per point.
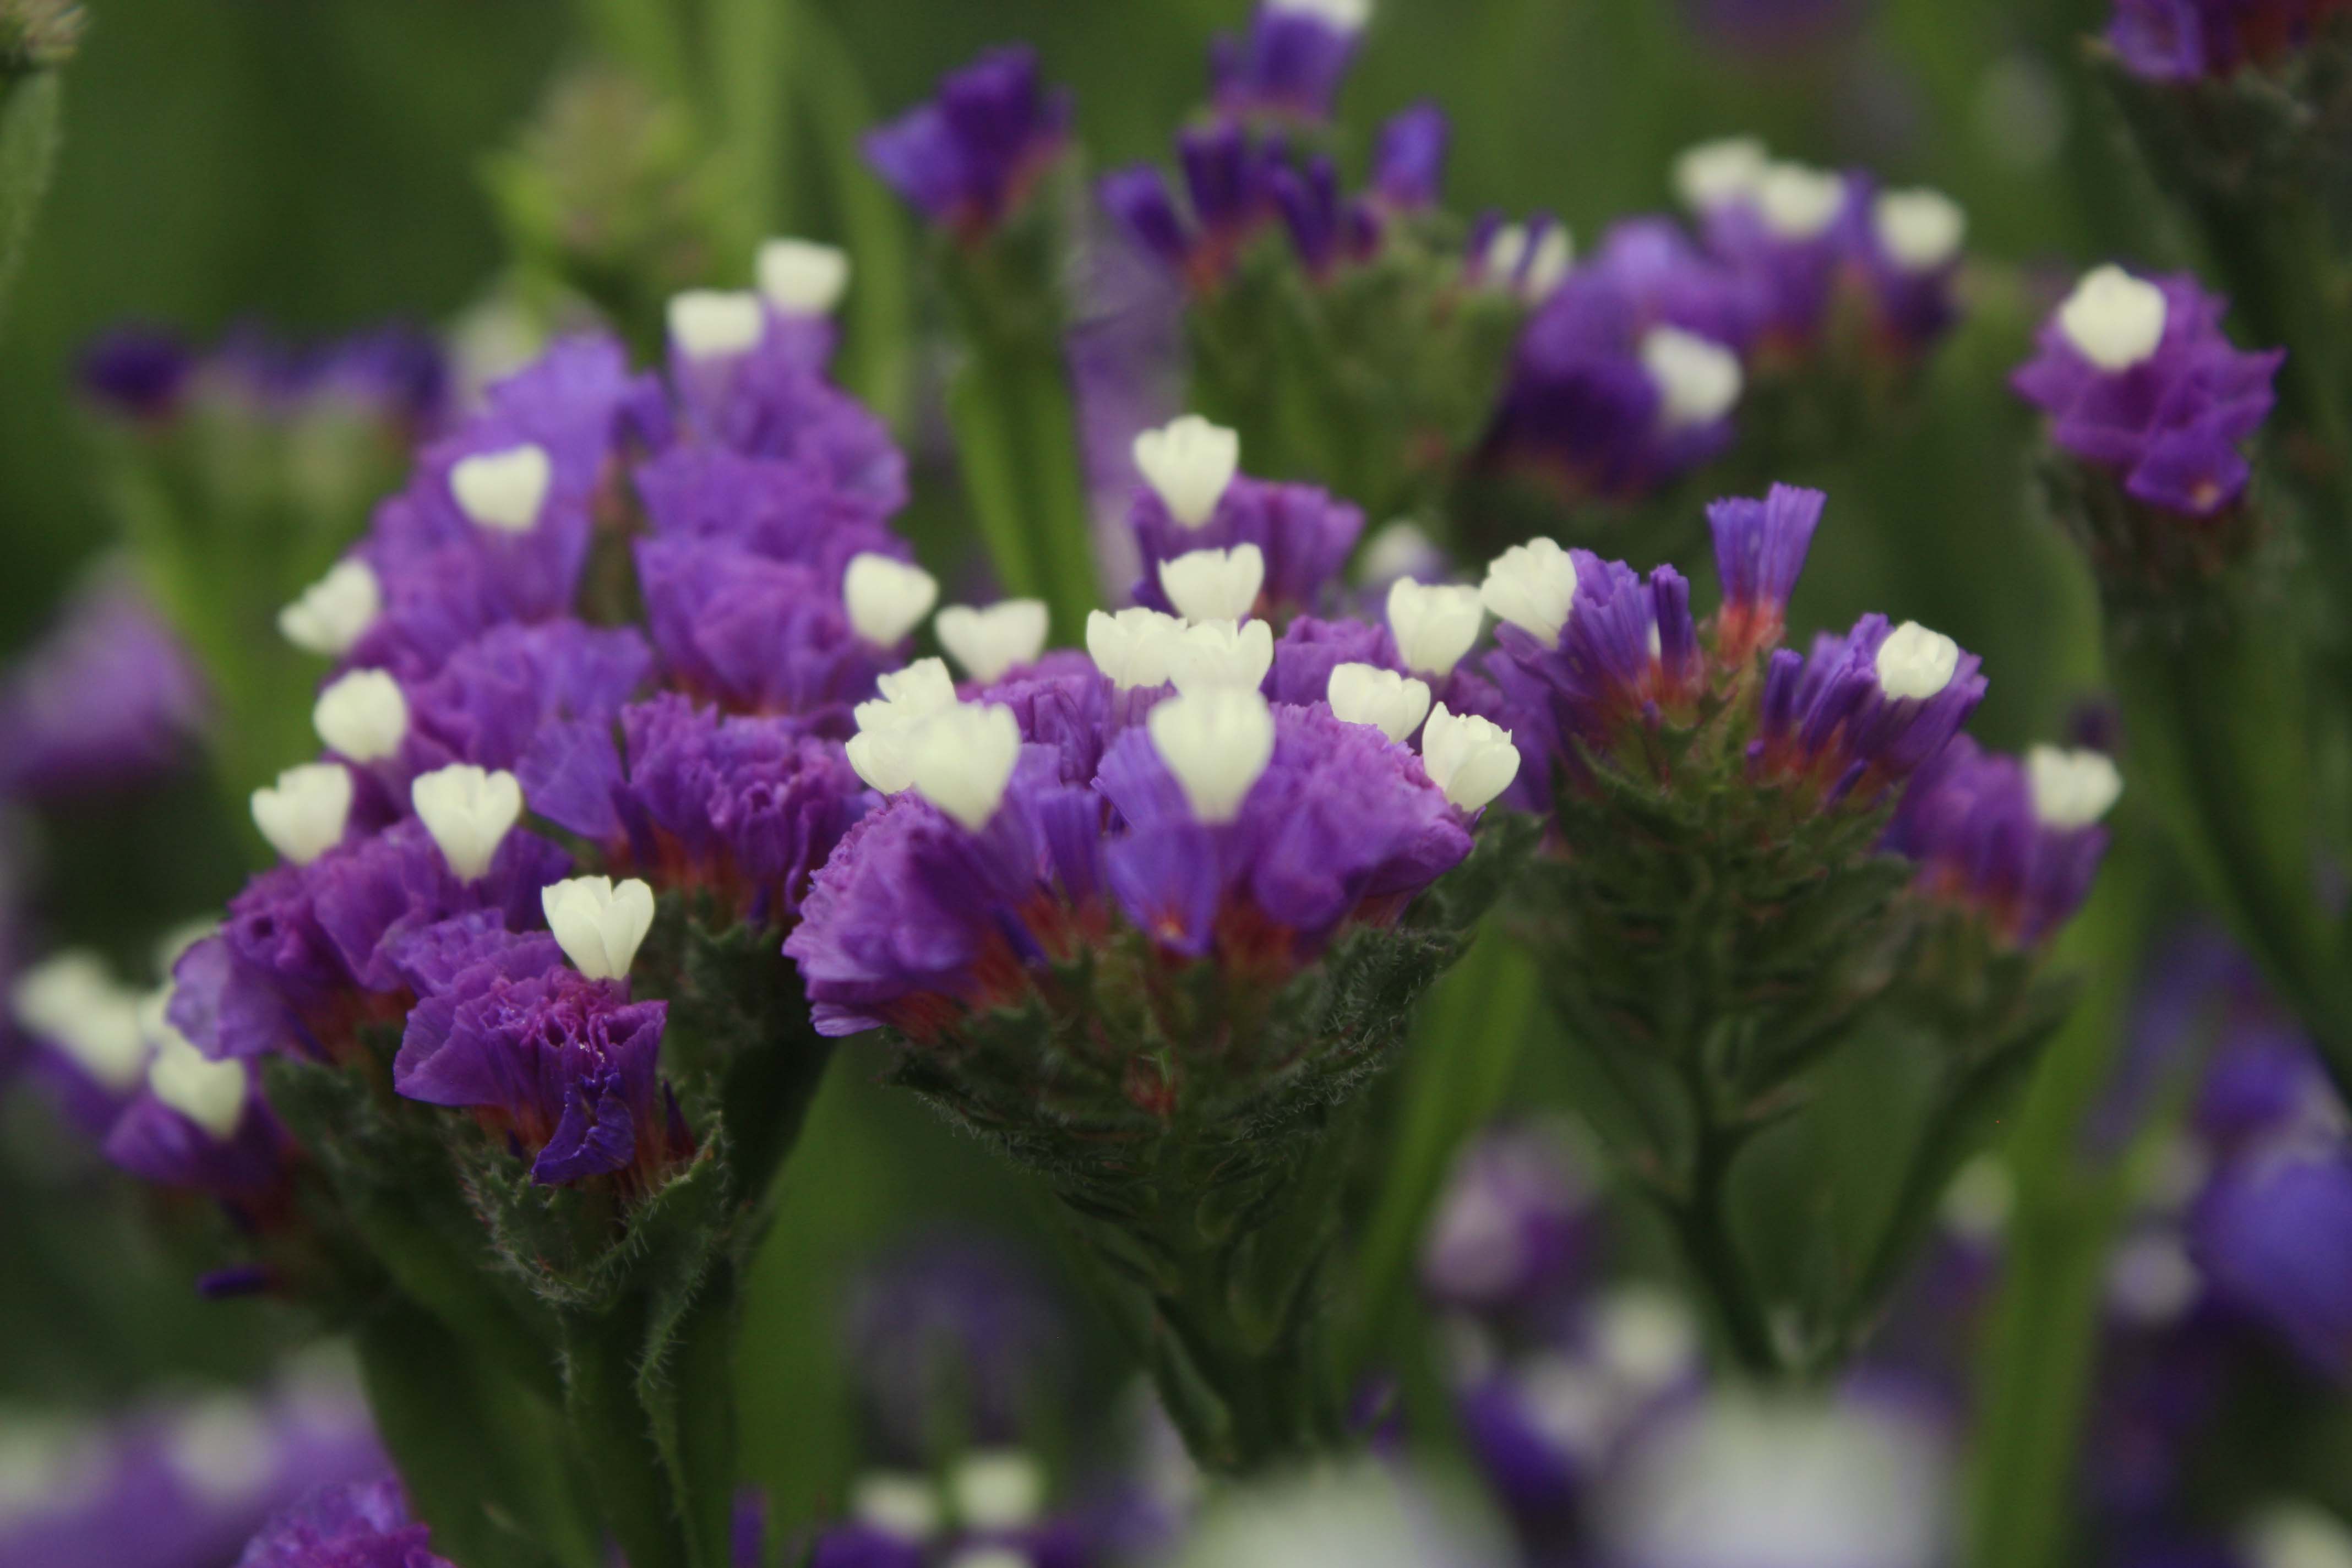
1702 1223
31 113
615 1438
751 50
1016 439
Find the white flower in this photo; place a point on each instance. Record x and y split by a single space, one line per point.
1919 230
1190 462
996 1489
2071 789
362 715
1434 624
1916 663
1799 202
1133 646
1215 585
900 1505
334 612
1367 694
1533 587
1697 379
910 696
1397 551
1726 170
304 812
716 323
962 758
802 278
1533 263
2296 1535
1645 1337
1216 742
1470 758
72 1001
209 1093
1345 15
467 811
887 598
1221 653
598 922
989 640
2114 319
503 490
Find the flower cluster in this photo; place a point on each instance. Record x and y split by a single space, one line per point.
111 697
2141 384
970 156
2188 40
394 374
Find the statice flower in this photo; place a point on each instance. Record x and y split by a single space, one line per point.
108 699
1290 62
1239 186
2188 40
1514 1223
202 1124
357 1525
2141 386
2017 841
85 1035
393 374
1278 548
1628 374
967 157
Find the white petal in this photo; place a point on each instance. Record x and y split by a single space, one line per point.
1434 624
962 759
1134 647
467 811
1217 742
1916 663
1533 587
503 490
899 1504
597 924
1715 173
990 640
209 1093
1919 230
334 612
1698 379
1470 758
1799 202
997 1489
887 598
1221 654
72 1002
362 715
1190 462
2113 318
1367 694
1345 15
714 323
303 814
802 278
878 751
2071 789
1215 585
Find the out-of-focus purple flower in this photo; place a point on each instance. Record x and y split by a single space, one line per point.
2272 1234
953 1345
2016 842
1290 63
2139 381
181 1482
1786 236
568 1063
394 373
1776 27
2184 41
968 156
83 1030
357 1525
1409 162
109 698
1514 1222
137 370
1628 374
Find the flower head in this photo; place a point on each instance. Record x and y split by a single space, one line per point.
966 158
1291 61
2019 843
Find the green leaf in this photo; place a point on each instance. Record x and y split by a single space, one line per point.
32 111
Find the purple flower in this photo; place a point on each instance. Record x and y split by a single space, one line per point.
1759 552
109 698
516 696
1777 26
2138 381
395 374
1626 377
1786 240
138 371
1627 653
967 157
747 806
1409 161
1290 63
1514 1223
2274 1236
1303 534
568 1064
222 1141
356 1525
1988 839
1229 188
2184 41
755 635
785 509
1864 712
769 403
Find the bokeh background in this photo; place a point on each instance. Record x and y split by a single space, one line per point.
319 166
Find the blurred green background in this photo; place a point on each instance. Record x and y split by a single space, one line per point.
317 165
